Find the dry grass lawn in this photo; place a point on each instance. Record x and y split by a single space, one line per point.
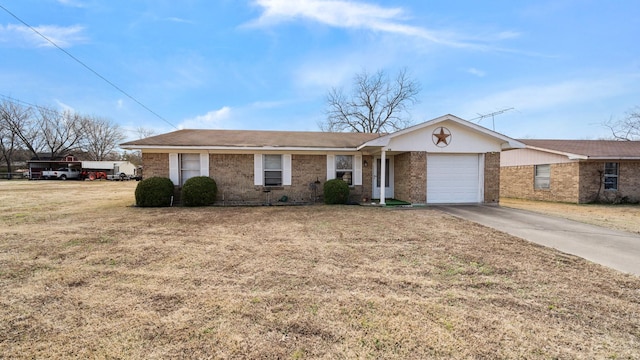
83 274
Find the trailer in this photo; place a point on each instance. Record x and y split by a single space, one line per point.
83 170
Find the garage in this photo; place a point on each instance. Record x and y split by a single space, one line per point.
454 178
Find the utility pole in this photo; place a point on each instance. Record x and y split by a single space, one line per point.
492 115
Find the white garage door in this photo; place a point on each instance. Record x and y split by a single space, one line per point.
454 178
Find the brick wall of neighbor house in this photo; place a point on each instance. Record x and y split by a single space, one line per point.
410 180
630 180
592 187
492 177
517 182
155 165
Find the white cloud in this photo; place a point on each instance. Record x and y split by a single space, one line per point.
214 119
21 35
476 72
73 3
65 107
349 14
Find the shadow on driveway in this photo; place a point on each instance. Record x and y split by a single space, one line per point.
616 249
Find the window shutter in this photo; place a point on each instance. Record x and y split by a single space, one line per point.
357 170
258 178
174 168
286 169
331 167
204 164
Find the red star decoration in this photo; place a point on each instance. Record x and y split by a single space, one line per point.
442 137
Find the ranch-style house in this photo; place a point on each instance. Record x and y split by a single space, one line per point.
444 160
576 171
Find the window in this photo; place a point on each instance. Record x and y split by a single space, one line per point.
611 176
344 168
542 177
189 166
272 170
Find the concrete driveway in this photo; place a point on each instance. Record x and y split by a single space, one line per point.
616 249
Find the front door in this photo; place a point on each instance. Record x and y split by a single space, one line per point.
388 180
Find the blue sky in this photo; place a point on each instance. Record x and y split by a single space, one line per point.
565 66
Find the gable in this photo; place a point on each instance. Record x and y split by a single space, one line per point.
446 136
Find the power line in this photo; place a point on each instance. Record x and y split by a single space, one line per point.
87 67
48 110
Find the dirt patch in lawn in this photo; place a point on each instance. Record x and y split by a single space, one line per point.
83 274
618 217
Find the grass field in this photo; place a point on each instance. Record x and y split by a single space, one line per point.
84 274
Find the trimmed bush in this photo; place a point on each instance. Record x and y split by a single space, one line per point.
336 191
199 191
154 192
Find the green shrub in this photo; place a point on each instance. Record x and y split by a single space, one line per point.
154 192
336 191
199 191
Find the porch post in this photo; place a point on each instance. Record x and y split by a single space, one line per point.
383 172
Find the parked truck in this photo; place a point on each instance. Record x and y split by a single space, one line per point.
62 174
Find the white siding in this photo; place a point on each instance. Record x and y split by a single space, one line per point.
519 157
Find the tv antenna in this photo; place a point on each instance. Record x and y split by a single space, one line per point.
492 115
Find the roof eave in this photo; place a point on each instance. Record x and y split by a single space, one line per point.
571 156
613 158
234 148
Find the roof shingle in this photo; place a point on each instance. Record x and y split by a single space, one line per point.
590 148
255 138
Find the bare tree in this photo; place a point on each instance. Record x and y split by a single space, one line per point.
60 132
143 132
376 104
101 138
18 121
627 128
14 125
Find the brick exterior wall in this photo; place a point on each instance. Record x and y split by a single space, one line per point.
492 178
592 183
233 174
235 178
411 177
155 165
518 182
576 182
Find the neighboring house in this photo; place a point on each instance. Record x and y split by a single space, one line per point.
445 160
577 171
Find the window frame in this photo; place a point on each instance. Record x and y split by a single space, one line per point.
345 171
610 180
266 170
541 181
